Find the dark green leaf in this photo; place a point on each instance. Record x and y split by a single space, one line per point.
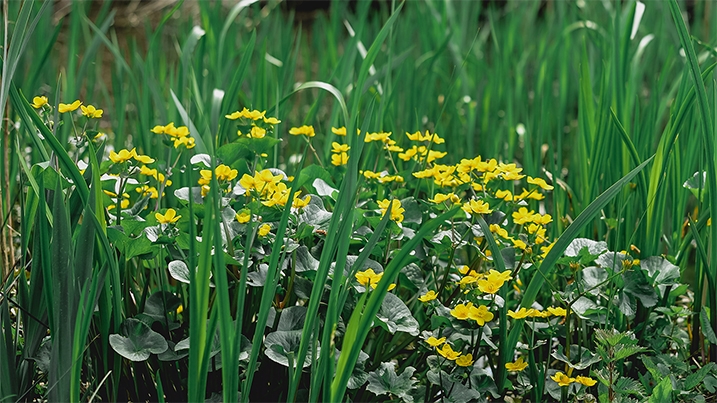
138 341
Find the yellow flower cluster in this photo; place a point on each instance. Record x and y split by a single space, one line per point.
563 380
223 174
125 155
124 203
259 123
382 177
448 353
487 283
339 154
480 314
178 135
369 278
144 170
523 313
418 153
270 189
91 112
396 209
417 136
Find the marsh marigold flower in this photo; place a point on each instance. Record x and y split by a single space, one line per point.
300 203
39 102
306 130
522 313
523 216
587 381
339 159
481 314
465 360
395 206
91 112
557 311
243 217
539 182
341 131
69 107
169 217
447 352
516 366
434 342
429 296
476 207
461 311
264 230
562 379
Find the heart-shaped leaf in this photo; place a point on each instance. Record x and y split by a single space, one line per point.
138 341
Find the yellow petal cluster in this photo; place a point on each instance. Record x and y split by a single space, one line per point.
63 108
305 130
395 207
169 217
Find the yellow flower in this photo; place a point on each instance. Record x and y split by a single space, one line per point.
341 131
253 115
465 360
243 217
91 112
257 132
523 216
188 142
476 207
365 277
264 230
224 172
542 219
587 381
440 198
271 121
489 285
461 311
300 203
557 311
169 217
396 209
123 155
234 115
504 194
145 159
562 379
307 131
497 229
447 352
339 148
339 159
481 314
69 107
521 314
434 342
148 190
539 182
39 102
516 366
429 296
123 204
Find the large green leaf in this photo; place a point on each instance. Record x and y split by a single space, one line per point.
385 381
137 341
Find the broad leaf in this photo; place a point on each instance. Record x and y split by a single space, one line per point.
137 341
